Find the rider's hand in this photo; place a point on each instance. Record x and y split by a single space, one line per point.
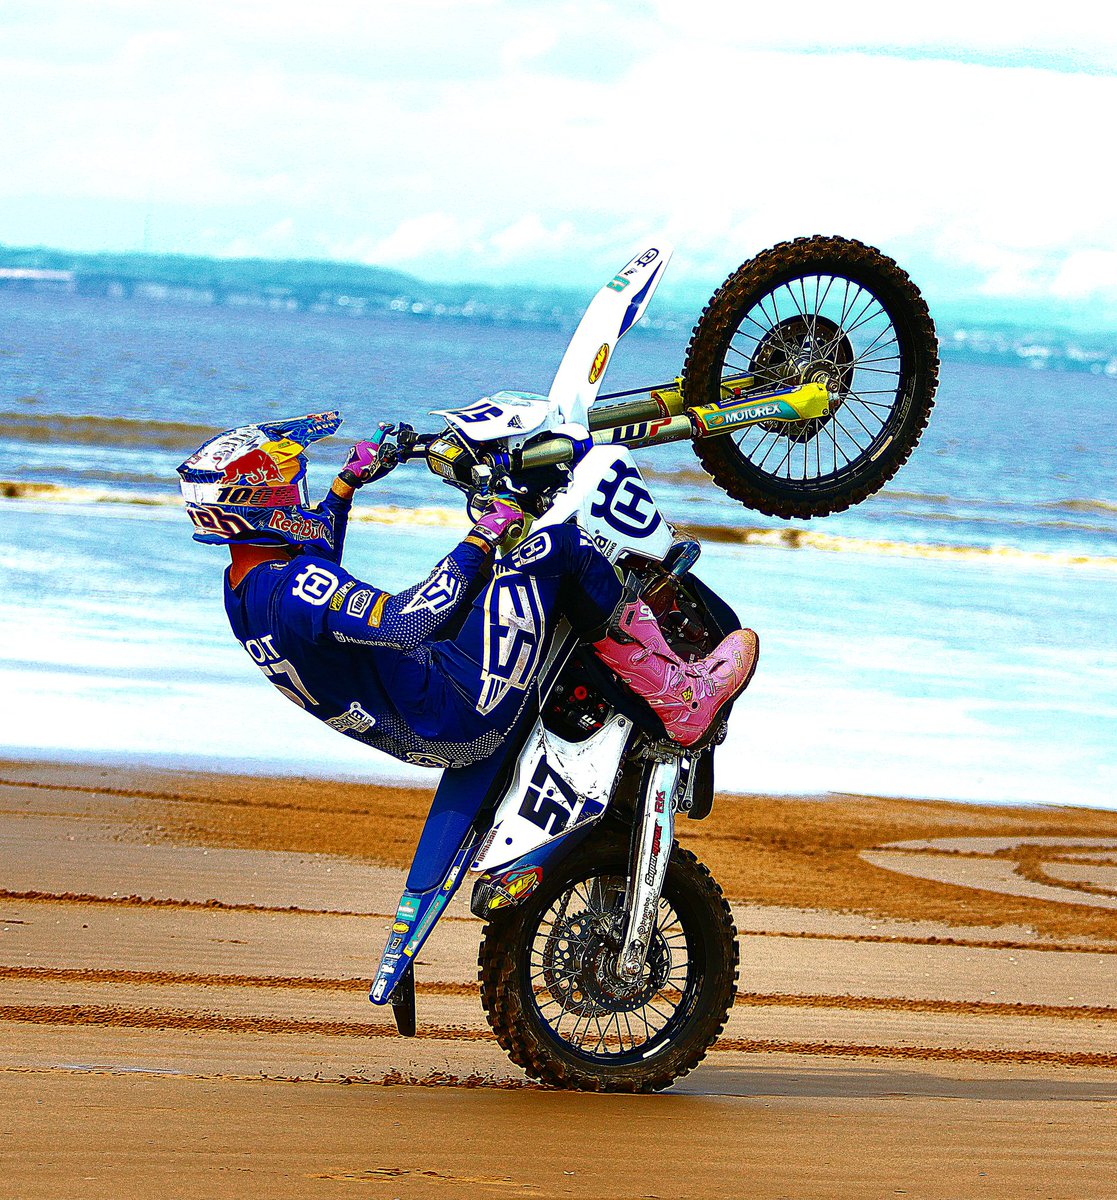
368 461
504 517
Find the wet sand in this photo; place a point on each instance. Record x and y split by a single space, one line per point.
927 1005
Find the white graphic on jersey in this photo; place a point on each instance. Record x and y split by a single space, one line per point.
437 595
514 627
314 585
531 550
356 719
427 760
266 657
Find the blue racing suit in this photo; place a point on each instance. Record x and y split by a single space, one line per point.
372 665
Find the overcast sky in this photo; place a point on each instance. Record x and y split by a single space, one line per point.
503 140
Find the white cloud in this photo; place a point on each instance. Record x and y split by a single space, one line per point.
530 236
430 236
1086 273
490 139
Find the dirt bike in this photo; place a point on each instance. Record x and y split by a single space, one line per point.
609 956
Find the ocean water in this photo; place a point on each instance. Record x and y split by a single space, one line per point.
951 637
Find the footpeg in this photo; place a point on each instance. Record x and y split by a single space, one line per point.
403 1003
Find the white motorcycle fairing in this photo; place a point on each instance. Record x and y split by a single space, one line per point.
609 500
519 416
514 416
560 785
610 315
557 786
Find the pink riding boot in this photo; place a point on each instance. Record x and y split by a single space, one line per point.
687 696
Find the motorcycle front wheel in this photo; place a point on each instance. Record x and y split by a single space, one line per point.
818 309
552 995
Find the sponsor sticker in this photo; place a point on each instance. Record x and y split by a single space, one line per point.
436 595
483 849
377 613
353 720
599 361
534 548
359 602
400 927
724 420
254 466
305 529
340 594
427 760
515 886
625 503
653 858
214 520
260 497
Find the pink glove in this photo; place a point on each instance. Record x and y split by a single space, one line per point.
504 517
368 461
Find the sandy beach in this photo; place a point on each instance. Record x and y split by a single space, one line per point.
926 1005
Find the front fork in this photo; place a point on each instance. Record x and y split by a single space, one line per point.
653 837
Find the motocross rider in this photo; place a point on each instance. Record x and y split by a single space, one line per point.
383 668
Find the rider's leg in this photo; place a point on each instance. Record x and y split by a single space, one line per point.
493 661
687 696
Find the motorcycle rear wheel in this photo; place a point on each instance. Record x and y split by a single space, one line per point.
827 309
548 962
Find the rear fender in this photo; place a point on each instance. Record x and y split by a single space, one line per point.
610 315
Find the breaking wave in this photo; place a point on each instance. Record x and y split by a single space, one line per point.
103 431
795 538
438 516
1106 507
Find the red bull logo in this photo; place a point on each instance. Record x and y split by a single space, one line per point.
253 467
303 529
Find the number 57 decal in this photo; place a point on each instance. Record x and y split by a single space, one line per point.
550 801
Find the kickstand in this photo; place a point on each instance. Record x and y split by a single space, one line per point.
403 1003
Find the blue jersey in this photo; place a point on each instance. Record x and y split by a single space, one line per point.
405 672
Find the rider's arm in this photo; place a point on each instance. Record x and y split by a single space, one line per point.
405 620
408 618
322 601
336 506
366 461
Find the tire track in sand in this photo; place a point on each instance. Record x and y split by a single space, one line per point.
171 1019
136 901
845 1001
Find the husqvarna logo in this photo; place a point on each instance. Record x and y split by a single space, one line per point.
314 585
625 503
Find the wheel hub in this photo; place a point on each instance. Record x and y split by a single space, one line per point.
580 966
798 351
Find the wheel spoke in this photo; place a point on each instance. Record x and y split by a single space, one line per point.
572 974
816 321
